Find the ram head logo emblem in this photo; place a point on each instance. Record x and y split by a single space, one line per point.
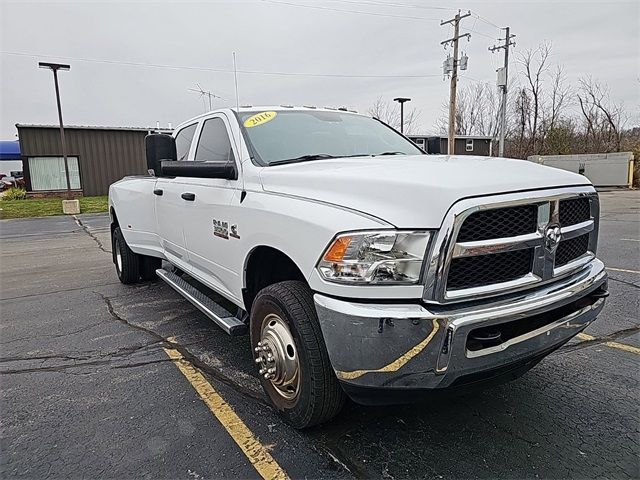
552 237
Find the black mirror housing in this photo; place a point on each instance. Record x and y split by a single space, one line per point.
159 147
224 170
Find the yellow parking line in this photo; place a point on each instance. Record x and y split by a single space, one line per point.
622 270
257 454
619 346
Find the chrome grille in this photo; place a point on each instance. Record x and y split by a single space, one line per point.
575 210
503 222
511 242
467 272
569 250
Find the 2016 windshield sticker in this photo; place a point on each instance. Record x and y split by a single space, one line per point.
259 119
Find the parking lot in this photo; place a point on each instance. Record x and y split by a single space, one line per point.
102 380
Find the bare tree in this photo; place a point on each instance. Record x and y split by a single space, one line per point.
552 111
534 64
477 108
389 113
522 113
604 119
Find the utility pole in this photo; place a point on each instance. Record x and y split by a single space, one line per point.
454 75
503 77
401 101
54 67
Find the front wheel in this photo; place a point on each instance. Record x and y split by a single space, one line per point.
292 358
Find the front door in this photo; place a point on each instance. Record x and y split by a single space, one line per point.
171 206
208 219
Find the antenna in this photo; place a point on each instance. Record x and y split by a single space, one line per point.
204 93
235 77
243 193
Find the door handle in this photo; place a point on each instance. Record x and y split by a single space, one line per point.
190 197
158 191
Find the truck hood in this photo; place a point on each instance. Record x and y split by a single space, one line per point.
410 191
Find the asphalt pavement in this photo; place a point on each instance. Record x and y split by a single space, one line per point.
87 389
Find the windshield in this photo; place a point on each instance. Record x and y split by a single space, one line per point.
292 136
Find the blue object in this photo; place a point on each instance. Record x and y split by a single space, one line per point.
10 150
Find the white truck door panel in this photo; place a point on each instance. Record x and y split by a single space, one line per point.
171 207
136 214
207 235
170 212
207 219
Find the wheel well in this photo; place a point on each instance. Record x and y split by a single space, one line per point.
267 266
114 221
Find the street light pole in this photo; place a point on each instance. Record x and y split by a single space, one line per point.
401 101
54 67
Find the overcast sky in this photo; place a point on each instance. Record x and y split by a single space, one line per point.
366 48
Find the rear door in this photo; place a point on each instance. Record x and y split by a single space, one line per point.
171 206
209 226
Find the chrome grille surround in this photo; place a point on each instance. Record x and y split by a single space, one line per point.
543 269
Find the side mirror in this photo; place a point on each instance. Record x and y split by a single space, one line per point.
224 170
159 147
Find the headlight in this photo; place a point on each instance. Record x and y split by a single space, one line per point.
389 257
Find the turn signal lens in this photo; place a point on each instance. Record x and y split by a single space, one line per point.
338 249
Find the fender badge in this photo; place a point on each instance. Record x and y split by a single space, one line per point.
221 229
234 232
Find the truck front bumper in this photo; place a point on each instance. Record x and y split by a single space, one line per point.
408 347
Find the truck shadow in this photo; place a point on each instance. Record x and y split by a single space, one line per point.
539 425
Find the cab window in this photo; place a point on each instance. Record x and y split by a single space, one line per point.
183 141
214 144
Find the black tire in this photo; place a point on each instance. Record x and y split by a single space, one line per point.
127 262
319 396
148 267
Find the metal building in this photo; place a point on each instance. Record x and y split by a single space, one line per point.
97 157
602 169
464 144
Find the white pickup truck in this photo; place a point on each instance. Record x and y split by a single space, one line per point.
359 264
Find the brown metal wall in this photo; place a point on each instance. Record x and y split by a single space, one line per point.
480 146
104 156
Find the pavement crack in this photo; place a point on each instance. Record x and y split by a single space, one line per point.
83 355
54 292
140 364
88 232
42 357
186 354
52 368
56 335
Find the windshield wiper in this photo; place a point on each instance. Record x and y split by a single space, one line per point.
315 156
303 158
388 153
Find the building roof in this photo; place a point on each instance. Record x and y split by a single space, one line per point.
10 150
94 127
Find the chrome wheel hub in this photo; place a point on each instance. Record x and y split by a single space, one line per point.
277 357
118 255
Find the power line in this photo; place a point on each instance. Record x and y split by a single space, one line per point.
390 4
482 19
492 37
341 10
220 70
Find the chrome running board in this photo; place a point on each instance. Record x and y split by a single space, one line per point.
216 312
